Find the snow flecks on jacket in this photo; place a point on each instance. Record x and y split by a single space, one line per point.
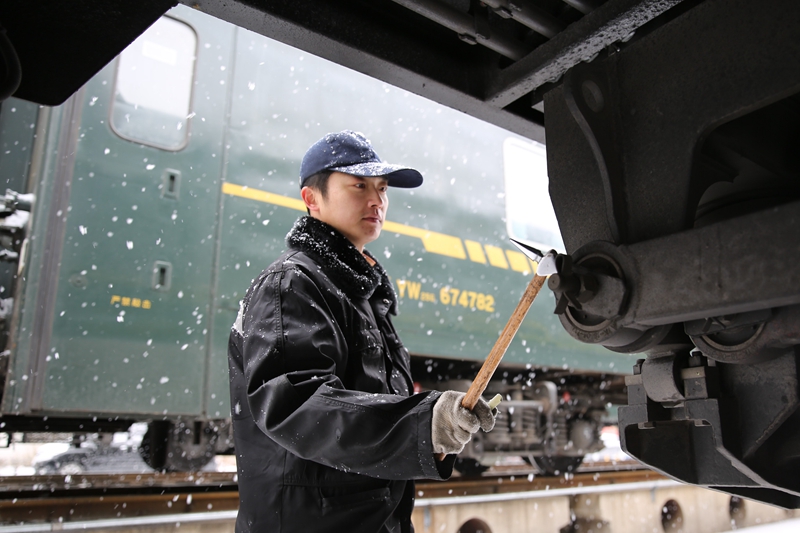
341 260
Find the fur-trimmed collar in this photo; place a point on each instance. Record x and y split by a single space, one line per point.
341 261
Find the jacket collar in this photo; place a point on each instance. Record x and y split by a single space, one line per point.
341 261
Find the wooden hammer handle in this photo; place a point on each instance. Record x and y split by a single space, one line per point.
486 372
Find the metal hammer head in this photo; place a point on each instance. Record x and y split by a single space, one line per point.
546 261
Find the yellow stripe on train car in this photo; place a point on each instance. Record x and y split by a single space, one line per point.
475 251
518 261
263 196
434 242
437 243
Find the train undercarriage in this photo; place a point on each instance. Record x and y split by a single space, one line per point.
550 422
691 258
547 418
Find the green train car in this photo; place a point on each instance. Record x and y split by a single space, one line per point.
146 203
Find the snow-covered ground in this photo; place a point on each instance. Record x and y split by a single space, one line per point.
121 455
612 451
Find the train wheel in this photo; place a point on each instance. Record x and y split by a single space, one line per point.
555 465
179 446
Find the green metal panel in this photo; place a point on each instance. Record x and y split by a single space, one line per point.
17 127
118 344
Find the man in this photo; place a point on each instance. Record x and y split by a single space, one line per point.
328 435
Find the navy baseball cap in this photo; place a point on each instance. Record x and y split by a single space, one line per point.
352 153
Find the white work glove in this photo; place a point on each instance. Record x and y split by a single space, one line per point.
452 425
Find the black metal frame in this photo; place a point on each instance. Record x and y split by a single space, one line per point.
672 170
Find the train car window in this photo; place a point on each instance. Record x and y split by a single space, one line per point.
529 212
153 86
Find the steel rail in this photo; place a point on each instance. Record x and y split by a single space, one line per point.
219 516
149 481
38 501
549 493
210 516
114 523
146 510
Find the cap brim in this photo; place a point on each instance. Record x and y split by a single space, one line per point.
396 175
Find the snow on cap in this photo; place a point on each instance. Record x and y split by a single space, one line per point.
352 153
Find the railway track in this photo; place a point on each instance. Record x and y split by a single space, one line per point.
61 500
58 498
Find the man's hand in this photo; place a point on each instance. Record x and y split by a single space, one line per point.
452 425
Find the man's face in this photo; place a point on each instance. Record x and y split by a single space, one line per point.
355 206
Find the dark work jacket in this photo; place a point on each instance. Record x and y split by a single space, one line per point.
327 433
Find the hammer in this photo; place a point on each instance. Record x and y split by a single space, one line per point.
546 266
